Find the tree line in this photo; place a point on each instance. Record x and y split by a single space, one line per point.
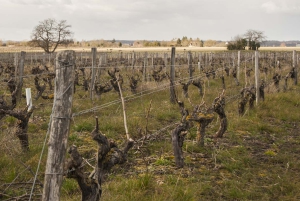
50 34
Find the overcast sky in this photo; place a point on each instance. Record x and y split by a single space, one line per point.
154 19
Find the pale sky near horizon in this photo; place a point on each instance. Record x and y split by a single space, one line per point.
154 19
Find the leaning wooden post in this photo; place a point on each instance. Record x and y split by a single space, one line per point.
190 66
172 77
295 66
60 124
94 51
238 66
124 109
257 76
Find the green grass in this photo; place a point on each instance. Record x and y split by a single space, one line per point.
257 159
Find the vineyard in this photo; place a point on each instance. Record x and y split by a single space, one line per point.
149 125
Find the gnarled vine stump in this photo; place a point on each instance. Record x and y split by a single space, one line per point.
22 124
198 83
203 117
185 88
108 155
219 108
178 135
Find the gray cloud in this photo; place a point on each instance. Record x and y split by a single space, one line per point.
156 19
277 7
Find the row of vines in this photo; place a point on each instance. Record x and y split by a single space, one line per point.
151 86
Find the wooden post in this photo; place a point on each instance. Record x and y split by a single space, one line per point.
172 77
232 56
144 67
16 64
81 59
35 56
152 61
238 66
190 65
19 75
295 66
206 59
275 60
94 51
44 59
133 60
257 76
49 58
99 67
199 63
60 124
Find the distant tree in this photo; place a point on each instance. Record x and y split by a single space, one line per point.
198 42
120 44
178 42
151 43
184 38
254 38
113 40
201 43
185 41
10 42
156 44
239 43
146 43
210 43
49 34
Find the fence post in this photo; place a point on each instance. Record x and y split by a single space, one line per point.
99 66
238 65
44 59
257 76
172 77
199 63
144 67
190 65
59 125
295 66
16 64
133 61
94 51
19 75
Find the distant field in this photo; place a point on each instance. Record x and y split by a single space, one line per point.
137 49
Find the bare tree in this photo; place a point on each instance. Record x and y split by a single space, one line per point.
48 34
254 38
